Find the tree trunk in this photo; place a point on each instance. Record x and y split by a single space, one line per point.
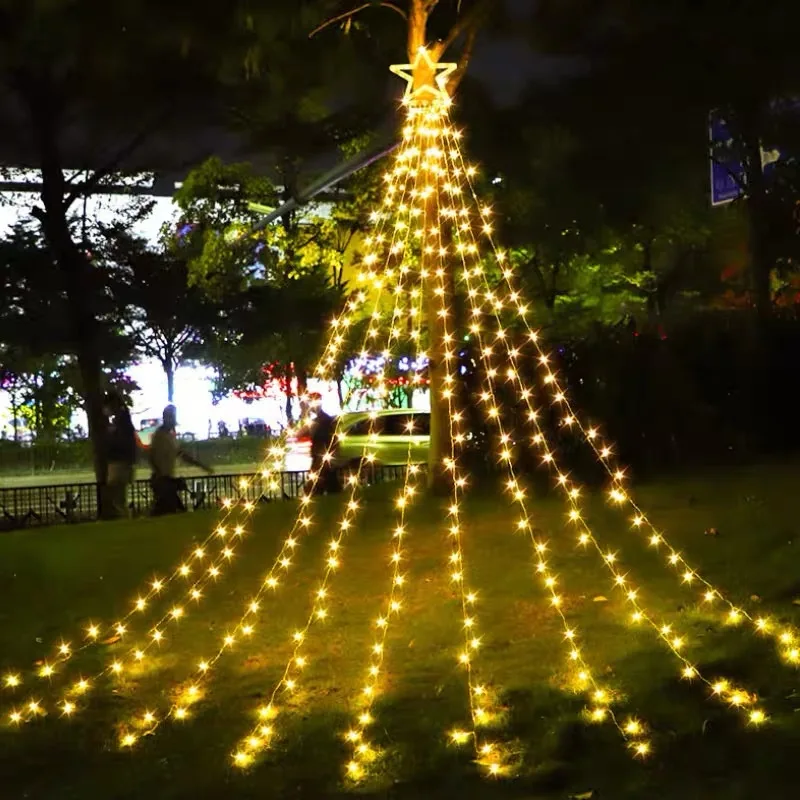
77 272
439 478
15 413
761 260
302 381
288 406
761 264
340 392
169 371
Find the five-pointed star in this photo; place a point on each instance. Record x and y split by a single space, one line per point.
441 73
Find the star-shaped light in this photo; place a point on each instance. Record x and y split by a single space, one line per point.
441 74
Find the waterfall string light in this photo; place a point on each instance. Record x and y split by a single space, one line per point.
262 734
490 755
430 216
191 692
736 697
582 677
785 636
116 667
363 752
618 495
95 634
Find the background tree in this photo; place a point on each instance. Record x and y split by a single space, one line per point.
289 274
92 87
675 66
273 332
167 316
36 338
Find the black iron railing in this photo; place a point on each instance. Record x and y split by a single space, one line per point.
32 506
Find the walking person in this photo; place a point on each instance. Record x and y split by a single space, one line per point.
323 433
122 446
164 452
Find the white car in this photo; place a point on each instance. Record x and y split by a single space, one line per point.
390 436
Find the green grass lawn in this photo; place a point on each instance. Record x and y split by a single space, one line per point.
54 581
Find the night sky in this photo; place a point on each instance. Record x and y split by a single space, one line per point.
507 65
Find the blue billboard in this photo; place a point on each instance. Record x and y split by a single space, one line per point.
727 171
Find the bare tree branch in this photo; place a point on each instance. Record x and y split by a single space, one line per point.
347 15
464 25
464 59
115 163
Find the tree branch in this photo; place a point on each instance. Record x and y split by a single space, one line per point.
464 59
466 24
114 164
737 179
348 15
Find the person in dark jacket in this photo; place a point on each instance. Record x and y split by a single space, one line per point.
323 432
122 445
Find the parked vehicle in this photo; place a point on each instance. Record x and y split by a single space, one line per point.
387 436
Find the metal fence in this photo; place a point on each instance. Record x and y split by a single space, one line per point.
33 506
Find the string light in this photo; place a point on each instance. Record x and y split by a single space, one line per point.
304 518
621 581
604 450
257 740
490 756
94 634
362 751
582 676
432 171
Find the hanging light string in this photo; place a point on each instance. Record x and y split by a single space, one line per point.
263 732
95 633
363 752
617 495
192 691
738 698
137 655
69 705
581 675
785 636
488 754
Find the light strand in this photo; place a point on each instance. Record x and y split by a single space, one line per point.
582 675
736 697
262 734
192 691
362 751
488 754
95 634
785 637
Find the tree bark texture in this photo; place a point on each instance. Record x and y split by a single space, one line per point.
77 272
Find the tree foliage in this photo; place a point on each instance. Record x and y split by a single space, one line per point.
167 317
